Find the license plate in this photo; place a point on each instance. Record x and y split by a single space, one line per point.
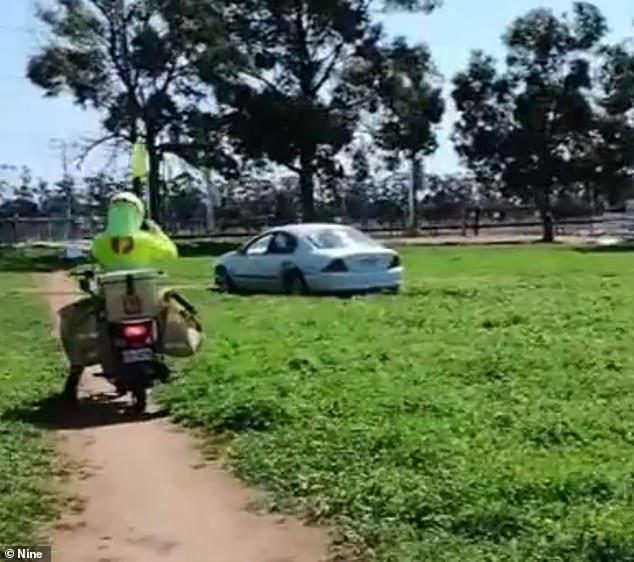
137 355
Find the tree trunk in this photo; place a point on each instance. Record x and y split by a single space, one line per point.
546 214
307 184
154 181
548 225
415 187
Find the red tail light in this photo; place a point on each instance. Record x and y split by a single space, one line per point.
137 331
133 331
336 266
396 262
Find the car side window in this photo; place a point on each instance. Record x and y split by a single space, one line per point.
259 246
283 243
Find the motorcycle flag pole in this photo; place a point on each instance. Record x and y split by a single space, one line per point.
139 165
138 161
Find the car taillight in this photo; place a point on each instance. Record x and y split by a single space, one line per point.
336 266
396 262
137 331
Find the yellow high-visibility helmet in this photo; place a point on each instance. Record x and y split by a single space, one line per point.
128 197
125 214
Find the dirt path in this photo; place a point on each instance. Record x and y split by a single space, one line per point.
146 496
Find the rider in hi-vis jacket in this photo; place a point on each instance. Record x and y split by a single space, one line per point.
125 244
129 241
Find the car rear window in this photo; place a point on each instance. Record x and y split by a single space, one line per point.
332 238
360 238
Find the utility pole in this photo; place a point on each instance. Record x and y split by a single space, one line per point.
62 146
212 201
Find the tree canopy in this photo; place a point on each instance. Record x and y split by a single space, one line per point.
537 130
274 79
126 60
294 84
412 104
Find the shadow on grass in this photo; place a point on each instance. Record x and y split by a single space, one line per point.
474 242
607 249
97 410
215 248
211 248
33 260
317 296
38 259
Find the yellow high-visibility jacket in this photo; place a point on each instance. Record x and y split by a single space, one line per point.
124 245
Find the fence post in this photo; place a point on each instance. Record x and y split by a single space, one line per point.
14 228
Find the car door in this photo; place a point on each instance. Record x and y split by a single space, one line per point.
251 271
281 253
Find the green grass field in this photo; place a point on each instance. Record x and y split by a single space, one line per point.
29 371
487 413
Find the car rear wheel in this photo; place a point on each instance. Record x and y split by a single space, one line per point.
223 280
294 283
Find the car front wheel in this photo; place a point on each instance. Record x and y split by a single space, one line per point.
223 280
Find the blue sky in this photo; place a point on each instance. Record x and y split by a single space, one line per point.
28 121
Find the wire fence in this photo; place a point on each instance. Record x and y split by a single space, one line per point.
53 229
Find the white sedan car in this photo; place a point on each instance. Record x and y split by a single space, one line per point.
310 258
